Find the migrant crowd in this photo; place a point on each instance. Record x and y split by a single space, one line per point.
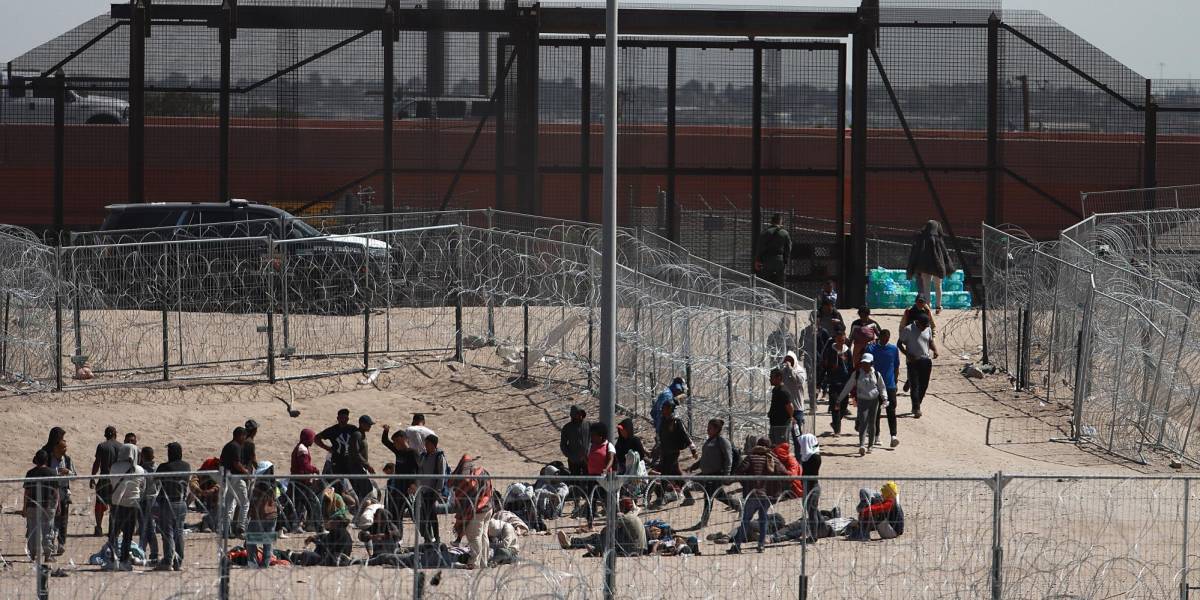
145 505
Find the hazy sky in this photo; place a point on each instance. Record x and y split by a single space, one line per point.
1154 37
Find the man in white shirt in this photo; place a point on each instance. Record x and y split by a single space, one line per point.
919 348
869 388
417 432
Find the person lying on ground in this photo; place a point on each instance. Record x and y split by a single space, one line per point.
503 541
382 540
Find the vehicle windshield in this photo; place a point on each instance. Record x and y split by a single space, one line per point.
301 229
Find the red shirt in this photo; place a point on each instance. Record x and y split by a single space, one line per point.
597 457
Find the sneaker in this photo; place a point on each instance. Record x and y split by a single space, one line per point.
895 441
760 549
687 501
97 532
862 450
125 566
162 567
916 414
563 540
868 449
733 550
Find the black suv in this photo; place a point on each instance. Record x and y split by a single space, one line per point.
158 256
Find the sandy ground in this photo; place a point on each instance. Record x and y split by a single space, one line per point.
970 429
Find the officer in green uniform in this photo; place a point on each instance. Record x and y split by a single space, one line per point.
774 249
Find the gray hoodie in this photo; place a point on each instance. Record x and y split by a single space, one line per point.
128 490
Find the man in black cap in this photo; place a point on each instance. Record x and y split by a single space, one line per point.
359 461
335 439
574 440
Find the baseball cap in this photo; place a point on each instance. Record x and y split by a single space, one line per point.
251 424
366 420
867 357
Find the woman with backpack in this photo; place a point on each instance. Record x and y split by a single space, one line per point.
869 389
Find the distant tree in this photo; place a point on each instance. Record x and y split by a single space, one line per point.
178 104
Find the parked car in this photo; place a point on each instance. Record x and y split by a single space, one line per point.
26 99
169 244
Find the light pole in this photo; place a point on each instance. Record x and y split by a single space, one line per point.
608 285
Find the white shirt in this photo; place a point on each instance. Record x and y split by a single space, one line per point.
416 435
869 383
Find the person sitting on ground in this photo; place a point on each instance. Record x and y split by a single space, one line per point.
504 541
629 537
757 492
881 512
382 540
207 492
331 549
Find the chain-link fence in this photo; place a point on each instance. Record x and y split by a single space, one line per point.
465 533
1100 321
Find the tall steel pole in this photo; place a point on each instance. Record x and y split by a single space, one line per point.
608 283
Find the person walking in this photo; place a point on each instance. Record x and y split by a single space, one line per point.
779 416
756 492
774 250
838 365
673 438
929 261
573 441
716 459
60 463
237 498
887 364
172 507
672 395
868 387
106 455
863 332
920 349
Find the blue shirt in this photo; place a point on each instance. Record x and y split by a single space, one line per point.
656 410
887 358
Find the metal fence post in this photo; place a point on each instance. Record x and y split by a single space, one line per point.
997 546
1183 572
366 306
223 527
58 332
43 580
459 355
418 579
729 369
270 284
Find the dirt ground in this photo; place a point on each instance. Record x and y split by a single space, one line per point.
971 429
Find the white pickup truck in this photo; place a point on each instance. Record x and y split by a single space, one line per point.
19 104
